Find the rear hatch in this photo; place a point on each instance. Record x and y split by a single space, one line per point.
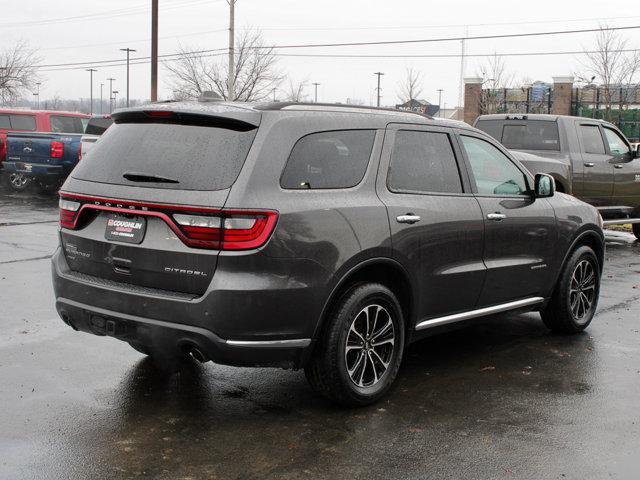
146 207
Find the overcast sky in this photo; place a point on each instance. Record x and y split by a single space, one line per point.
103 27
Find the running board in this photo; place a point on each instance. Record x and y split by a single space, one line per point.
481 312
620 221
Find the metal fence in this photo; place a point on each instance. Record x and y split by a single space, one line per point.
618 105
532 99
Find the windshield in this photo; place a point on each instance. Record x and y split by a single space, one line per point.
192 157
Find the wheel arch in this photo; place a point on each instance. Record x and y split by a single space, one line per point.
590 238
383 270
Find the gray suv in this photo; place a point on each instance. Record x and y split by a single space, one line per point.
312 236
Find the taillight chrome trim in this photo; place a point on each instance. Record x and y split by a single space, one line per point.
261 230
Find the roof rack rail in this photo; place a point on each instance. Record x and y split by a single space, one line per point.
283 105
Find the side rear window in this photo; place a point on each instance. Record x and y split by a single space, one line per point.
4 122
592 139
64 124
423 162
23 122
336 159
532 135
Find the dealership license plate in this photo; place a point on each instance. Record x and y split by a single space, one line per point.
125 229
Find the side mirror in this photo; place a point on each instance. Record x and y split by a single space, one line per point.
544 185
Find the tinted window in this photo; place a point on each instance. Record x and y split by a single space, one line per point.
532 135
336 159
591 139
491 127
4 121
423 162
493 171
199 158
60 124
23 122
97 125
617 146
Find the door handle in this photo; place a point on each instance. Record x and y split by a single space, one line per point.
589 164
409 218
496 217
617 165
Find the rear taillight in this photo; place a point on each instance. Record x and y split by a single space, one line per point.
80 151
68 211
197 228
232 230
57 149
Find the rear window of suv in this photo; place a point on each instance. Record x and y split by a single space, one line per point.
336 159
523 135
196 157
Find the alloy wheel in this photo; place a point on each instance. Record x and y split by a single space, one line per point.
18 180
582 290
370 345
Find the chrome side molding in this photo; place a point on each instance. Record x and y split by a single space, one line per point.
481 312
294 343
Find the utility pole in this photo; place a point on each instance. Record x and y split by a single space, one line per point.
379 74
128 50
462 67
232 69
91 70
315 84
101 84
440 90
111 80
154 50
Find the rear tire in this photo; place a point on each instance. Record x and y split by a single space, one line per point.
17 182
360 350
636 229
575 298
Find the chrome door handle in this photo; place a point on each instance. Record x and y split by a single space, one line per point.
496 216
589 164
409 218
617 165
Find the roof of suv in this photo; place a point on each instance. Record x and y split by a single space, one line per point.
252 112
535 116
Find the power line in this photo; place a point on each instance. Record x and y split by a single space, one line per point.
353 44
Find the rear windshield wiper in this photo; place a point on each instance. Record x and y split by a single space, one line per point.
146 177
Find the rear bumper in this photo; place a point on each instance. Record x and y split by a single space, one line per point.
259 337
34 169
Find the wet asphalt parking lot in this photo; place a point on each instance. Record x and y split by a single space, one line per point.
501 398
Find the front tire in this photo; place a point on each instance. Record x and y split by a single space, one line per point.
575 297
360 350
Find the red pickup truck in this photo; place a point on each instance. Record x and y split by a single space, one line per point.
46 121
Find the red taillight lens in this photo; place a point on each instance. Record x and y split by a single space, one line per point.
159 113
231 230
68 212
57 149
80 151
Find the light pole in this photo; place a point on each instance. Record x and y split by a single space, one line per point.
274 94
111 80
91 70
379 74
128 50
231 87
315 84
37 97
440 90
115 98
101 85
154 50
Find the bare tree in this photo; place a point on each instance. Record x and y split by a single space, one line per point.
18 72
611 66
295 91
255 71
494 73
410 88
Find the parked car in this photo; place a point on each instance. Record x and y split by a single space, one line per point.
588 158
96 126
316 236
46 121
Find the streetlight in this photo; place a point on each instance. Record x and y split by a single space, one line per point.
128 50
315 84
91 70
440 90
111 80
101 84
379 74
115 101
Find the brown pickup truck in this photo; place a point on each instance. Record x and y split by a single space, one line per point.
590 159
